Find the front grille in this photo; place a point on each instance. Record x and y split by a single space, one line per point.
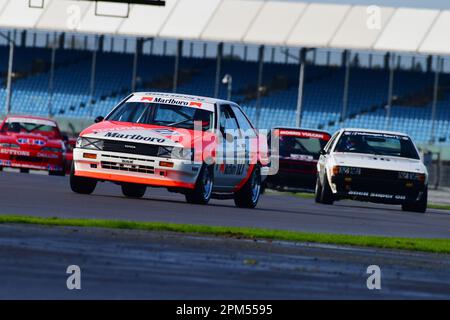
131 147
27 159
379 174
127 167
125 158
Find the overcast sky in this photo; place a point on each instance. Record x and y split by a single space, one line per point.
432 4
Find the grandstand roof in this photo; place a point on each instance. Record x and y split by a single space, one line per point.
270 22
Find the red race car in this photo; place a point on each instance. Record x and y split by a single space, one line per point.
298 153
32 143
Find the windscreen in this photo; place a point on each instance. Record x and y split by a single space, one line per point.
302 145
162 114
377 144
32 127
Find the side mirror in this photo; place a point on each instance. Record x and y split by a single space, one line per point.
322 152
99 119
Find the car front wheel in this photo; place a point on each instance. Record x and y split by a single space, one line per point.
326 195
81 184
133 190
318 191
418 206
201 194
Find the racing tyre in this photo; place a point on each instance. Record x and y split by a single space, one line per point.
318 191
61 173
81 184
419 206
326 195
202 192
133 190
248 195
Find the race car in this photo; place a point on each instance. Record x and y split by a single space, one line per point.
35 143
201 147
374 166
298 151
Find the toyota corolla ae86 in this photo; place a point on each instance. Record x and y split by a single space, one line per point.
201 147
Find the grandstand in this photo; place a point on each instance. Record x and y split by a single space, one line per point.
83 71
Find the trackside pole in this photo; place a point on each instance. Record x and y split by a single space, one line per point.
51 79
218 69
93 68
439 64
301 78
346 85
135 63
390 91
177 65
9 76
259 84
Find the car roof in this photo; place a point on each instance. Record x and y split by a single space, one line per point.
374 131
184 96
19 116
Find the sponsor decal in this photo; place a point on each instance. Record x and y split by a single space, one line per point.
136 137
376 135
178 100
166 132
47 155
304 134
302 157
376 195
36 142
14 152
195 104
171 101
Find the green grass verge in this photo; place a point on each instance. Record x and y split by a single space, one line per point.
415 244
439 206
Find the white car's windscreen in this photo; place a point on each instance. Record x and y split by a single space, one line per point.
377 143
163 115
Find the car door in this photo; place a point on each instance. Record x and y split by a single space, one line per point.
247 142
227 173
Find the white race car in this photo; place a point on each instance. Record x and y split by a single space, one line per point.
201 147
374 166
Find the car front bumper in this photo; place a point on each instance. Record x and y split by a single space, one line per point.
133 168
388 191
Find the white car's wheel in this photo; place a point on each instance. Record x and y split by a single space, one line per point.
81 184
202 192
133 190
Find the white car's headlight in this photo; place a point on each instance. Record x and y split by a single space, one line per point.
89 143
412 176
182 153
353 171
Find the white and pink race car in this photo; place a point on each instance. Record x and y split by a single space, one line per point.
202 147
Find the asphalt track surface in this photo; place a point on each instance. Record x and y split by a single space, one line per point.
48 196
121 264
125 264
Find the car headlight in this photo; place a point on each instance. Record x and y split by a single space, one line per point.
9 145
182 153
165 152
51 149
175 153
89 143
352 171
411 176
